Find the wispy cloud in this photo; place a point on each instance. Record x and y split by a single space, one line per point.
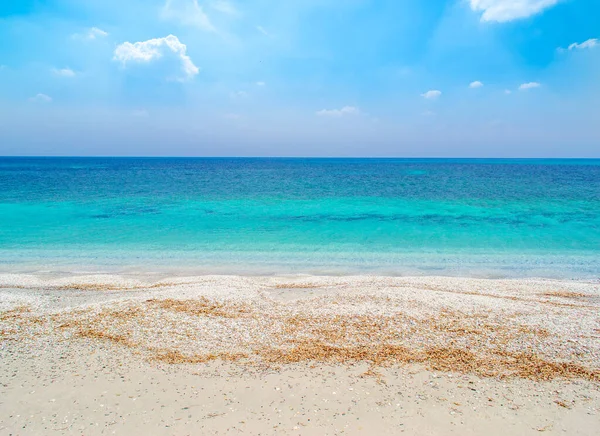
529 85
41 98
95 32
261 84
509 10
91 34
346 110
262 30
64 72
187 13
590 43
432 94
223 6
475 84
147 51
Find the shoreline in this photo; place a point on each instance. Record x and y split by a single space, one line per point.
410 341
520 264
153 272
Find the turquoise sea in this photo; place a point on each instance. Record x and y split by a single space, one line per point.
498 218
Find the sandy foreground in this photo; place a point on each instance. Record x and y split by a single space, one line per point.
298 355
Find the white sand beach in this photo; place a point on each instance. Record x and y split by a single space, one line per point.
298 355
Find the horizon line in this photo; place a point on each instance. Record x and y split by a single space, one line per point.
288 157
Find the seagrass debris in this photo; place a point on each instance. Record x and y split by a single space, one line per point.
201 330
297 286
109 287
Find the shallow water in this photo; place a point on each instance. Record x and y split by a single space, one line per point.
320 216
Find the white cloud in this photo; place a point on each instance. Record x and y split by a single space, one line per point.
91 34
41 98
590 43
508 10
346 110
261 84
431 95
223 6
188 13
147 51
475 84
94 33
507 91
529 85
64 72
262 30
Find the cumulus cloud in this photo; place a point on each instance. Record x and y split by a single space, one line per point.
91 34
432 94
529 85
346 110
41 98
187 13
475 84
64 72
590 43
152 49
508 10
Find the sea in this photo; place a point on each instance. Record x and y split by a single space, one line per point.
263 216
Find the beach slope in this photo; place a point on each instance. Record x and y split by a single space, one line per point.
298 355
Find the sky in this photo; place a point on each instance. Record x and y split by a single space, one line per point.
413 78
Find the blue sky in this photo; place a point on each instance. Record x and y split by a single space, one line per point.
489 78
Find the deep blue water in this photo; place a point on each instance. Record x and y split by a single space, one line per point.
391 216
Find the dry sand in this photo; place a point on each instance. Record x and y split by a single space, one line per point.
298 355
